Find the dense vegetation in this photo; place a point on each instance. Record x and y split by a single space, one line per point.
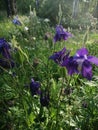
49 65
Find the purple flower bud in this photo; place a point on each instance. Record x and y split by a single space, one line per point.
34 87
44 98
7 63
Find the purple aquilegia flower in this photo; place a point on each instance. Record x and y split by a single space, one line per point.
81 63
84 62
58 57
34 87
4 48
61 33
16 21
44 98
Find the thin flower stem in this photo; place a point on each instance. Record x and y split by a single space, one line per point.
57 113
4 69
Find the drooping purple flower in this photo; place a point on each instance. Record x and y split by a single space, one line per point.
81 63
16 21
59 56
71 65
86 69
84 62
4 48
5 60
61 33
44 98
7 63
34 87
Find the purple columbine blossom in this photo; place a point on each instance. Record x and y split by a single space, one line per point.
4 48
34 87
61 33
5 60
84 62
81 63
16 21
59 56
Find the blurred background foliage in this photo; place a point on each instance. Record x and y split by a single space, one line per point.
72 12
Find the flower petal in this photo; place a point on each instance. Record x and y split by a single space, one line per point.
82 52
66 35
93 59
71 65
86 70
57 37
59 28
58 56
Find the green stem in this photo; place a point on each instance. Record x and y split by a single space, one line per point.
57 113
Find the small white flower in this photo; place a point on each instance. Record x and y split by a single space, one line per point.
26 28
46 20
34 38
